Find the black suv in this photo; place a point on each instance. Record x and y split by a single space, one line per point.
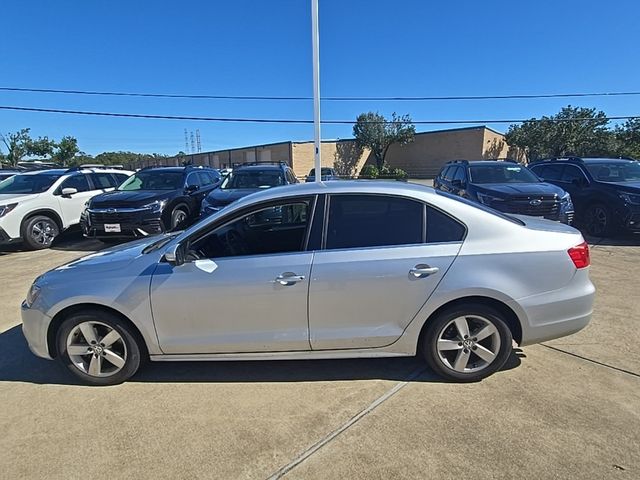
505 186
153 200
606 191
245 179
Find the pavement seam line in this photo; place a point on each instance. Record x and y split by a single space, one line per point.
332 435
628 372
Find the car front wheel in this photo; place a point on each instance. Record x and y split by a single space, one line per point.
597 220
98 347
467 343
39 232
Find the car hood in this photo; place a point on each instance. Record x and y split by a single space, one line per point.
226 196
115 258
629 187
17 197
129 199
508 189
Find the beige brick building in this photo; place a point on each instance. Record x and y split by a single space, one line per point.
420 159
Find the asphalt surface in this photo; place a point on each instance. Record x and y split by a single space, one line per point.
567 409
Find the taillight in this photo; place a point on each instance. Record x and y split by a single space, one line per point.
580 255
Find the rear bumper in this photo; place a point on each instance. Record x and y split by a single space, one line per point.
558 313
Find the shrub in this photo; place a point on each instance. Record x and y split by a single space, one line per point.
369 171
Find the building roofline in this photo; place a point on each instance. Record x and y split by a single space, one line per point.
304 142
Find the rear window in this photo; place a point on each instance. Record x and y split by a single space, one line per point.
480 206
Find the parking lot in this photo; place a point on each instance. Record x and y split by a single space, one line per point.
565 409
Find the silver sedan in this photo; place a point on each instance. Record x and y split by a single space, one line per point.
311 271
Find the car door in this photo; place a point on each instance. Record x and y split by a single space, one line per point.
377 269
248 290
72 205
574 181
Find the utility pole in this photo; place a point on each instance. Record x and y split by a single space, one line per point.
198 143
186 142
315 39
193 143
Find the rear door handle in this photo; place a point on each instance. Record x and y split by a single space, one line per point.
423 270
289 278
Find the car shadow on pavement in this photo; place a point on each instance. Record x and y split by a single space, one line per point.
18 364
628 240
70 240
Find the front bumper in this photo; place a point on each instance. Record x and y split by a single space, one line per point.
630 218
132 223
35 325
5 239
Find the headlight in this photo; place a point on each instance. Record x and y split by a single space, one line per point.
32 295
488 199
157 206
633 199
4 209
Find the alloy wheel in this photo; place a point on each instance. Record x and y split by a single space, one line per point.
44 232
468 343
179 217
96 349
597 221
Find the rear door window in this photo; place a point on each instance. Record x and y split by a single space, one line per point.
102 180
360 221
550 172
443 228
572 173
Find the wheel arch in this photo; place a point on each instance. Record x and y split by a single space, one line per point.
66 312
46 212
510 317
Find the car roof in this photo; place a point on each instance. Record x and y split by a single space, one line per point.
605 160
259 167
475 163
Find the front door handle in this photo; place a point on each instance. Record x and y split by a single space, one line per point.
289 278
423 270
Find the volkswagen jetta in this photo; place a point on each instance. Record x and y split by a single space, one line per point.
310 271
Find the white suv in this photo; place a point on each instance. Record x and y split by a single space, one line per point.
36 206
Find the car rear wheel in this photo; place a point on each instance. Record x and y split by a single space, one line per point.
467 343
598 220
98 347
39 232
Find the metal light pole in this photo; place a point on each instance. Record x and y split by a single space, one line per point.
315 38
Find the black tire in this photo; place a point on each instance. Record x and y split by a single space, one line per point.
598 220
179 217
476 315
39 232
126 347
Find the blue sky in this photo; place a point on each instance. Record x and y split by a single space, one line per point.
367 48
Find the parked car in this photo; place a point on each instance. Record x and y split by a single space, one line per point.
153 200
506 186
326 174
347 269
605 191
5 173
36 206
246 179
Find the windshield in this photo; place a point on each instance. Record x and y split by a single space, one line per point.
507 173
615 172
323 172
38 183
253 179
153 180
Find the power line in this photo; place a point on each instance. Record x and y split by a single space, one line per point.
303 121
327 99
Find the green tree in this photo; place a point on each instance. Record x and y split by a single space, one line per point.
573 131
17 145
65 150
41 147
627 138
376 133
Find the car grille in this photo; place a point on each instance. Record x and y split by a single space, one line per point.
115 217
547 206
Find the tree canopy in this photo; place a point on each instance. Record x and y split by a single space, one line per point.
376 133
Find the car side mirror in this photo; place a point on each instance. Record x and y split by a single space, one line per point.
176 255
191 188
67 192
